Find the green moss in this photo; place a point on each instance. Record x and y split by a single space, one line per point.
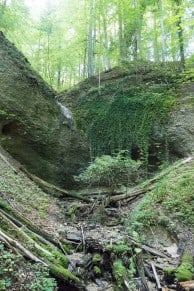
67 247
72 212
97 258
169 271
4 205
185 271
64 274
121 248
51 254
97 270
119 272
187 258
64 261
5 115
55 256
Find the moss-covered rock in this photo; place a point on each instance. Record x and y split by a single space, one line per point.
97 271
32 127
97 258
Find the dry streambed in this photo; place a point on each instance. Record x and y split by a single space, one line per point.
100 250
105 255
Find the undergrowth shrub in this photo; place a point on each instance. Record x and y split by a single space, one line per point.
111 172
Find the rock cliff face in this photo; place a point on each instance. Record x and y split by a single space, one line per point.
148 106
181 123
32 126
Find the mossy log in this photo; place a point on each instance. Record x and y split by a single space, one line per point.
22 221
17 237
13 244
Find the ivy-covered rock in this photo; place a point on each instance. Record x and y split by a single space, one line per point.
148 112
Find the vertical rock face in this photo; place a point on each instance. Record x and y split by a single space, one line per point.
32 127
181 124
137 108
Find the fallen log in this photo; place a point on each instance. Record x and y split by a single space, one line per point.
22 234
147 248
159 287
17 238
38 236
138 191
149 274
141 271
135 192
52 189
129 196
22 221
16 245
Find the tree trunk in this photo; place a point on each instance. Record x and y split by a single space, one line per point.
155 41
59 78
106 57
138 28
4 4
163 41
54 189
49 61
180 34
122 55
91 39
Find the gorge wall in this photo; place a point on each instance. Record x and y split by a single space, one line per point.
32 127
146 109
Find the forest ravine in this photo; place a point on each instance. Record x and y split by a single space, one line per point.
96 145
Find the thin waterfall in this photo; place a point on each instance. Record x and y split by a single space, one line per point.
65 111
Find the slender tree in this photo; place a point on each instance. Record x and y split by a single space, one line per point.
178 13
2 11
